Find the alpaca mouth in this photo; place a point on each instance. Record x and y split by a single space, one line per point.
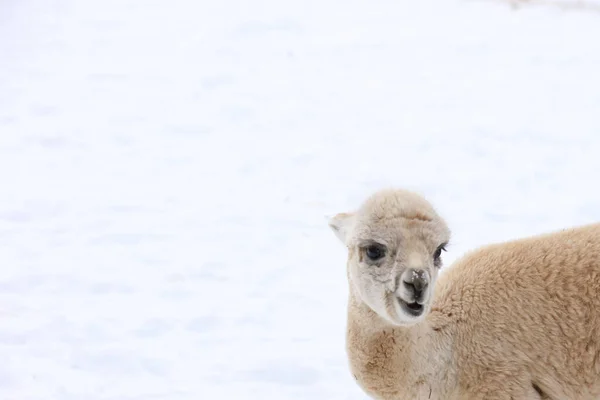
415 309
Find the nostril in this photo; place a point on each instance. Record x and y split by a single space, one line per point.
416 286
415 281
420 284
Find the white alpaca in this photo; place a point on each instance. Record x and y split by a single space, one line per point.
516 320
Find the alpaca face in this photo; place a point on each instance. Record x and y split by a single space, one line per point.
395 241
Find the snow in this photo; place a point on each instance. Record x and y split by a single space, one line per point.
167 170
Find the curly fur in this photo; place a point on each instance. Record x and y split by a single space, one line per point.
515 320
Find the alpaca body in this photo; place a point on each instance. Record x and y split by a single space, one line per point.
516 320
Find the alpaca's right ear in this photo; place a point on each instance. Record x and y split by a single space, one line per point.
340 224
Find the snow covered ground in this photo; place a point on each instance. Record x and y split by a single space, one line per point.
167 170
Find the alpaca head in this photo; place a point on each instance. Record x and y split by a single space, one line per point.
394 241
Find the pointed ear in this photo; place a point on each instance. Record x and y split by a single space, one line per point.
341 224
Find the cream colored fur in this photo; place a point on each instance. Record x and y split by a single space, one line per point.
516 320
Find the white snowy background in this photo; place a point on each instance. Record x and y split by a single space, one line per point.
167 169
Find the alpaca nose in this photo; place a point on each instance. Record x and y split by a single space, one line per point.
416 281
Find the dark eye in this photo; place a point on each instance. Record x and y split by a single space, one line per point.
374 252
438 252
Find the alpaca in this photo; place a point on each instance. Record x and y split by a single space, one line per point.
508 321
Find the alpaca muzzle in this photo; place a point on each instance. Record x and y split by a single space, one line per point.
416 282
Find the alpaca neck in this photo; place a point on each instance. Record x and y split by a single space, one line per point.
391 362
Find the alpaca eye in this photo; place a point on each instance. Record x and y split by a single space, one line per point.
438 252
375 252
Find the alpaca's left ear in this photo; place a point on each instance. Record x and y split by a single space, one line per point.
341 224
